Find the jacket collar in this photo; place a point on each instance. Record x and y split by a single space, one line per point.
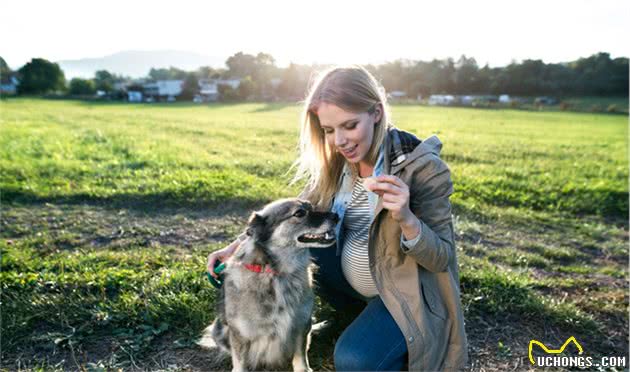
404 147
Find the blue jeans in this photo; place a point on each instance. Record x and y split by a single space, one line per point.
373 341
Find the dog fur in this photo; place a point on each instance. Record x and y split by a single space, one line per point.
264 319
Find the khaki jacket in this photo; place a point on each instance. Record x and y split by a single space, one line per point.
420 286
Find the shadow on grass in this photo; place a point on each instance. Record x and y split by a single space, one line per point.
153 203
170 105
274 107
268 106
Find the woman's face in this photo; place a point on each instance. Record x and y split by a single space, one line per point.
349 133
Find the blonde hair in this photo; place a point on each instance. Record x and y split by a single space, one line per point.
353 89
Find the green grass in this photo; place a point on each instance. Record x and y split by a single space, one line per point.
109 209
118 153
601 104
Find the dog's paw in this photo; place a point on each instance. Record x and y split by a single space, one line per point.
206 340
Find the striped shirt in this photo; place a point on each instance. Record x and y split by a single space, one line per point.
354 256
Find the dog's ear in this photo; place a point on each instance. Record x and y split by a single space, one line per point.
256 225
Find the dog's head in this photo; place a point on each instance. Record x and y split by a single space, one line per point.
292 223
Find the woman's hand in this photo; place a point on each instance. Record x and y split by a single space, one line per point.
395 194
221 255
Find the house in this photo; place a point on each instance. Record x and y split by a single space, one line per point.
466 100
209 88
441 99
504 98
233 83
9 85
397 94
208 91
163 90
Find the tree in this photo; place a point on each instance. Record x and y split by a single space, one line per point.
288 87
190 87
466 75
227 93
40 76
5 70
294 81
171 73
82 87
241 64
260 68
207 72
246 88
264 72
104 80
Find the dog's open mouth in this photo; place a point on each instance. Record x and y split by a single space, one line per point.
326 238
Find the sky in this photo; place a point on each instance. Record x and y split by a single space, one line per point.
322 31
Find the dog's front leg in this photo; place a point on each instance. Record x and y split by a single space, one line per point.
238 354
300 357
237 364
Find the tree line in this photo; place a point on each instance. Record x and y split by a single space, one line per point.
261 79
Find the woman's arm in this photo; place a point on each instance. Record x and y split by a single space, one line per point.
423 212
434 248
224 253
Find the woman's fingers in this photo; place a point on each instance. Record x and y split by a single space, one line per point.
210 266
384 187
212 259
391 198
386 184
390 179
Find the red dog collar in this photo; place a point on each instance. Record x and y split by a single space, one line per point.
259 268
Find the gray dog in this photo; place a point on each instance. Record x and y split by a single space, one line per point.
265 304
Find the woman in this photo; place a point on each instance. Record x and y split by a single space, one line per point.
395 247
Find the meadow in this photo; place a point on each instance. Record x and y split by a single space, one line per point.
108 211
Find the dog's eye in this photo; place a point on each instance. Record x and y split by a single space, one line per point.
300 213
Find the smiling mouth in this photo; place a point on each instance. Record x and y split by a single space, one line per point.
350 150
326 238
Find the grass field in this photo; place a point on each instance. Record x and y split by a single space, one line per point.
109 211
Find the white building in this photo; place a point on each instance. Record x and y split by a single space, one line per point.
233 83
504 98
441 99
166 89
397 94
209 88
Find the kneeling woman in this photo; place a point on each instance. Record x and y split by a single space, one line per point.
395 250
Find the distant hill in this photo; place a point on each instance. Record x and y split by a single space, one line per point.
138 63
